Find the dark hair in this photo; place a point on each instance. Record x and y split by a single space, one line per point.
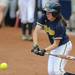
63 21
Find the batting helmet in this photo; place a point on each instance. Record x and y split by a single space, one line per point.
53 7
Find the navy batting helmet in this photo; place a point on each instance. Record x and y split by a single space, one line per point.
53 7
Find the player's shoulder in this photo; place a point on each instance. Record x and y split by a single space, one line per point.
43 16
60 27
61 23
42 19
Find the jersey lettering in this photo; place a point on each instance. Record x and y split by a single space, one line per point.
49 30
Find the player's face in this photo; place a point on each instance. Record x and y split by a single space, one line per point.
49 16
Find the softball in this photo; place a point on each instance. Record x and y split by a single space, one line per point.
3 66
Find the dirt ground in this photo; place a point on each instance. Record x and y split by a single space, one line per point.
17 54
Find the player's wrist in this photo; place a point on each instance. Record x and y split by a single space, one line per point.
35 45
47 49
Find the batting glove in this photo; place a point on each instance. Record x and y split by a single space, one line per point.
41 52
35 49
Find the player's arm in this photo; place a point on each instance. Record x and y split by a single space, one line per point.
36 34
57 38
36 48
40 24
54 45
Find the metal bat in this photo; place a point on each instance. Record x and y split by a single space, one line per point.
68 57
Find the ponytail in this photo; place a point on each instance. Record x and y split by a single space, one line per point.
63 21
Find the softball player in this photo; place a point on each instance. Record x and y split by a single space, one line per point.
26 10
55 27
3 9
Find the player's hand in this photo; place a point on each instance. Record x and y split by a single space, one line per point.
38 51
35 49
41 52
